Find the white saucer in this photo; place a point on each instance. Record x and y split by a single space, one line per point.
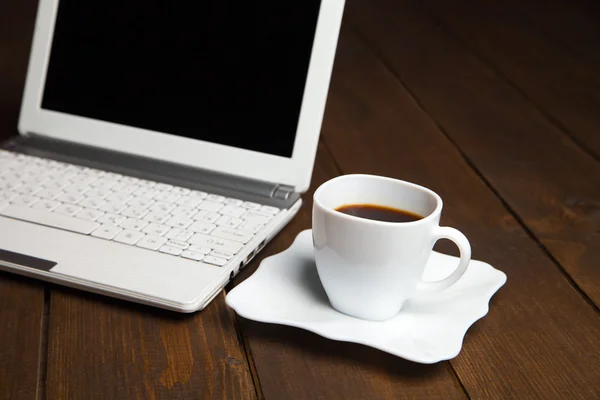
286 290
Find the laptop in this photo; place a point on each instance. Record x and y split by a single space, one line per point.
162 145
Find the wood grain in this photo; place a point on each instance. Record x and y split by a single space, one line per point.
101 348
21 313
295 364
21 299
559 83
569 24
541 339
547 180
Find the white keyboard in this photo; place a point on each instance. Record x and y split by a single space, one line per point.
155 216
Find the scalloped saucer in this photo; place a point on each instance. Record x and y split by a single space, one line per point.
286 290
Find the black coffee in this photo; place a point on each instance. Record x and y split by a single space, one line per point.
379 213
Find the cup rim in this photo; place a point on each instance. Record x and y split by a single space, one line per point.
332 211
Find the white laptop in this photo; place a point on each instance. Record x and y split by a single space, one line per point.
162 145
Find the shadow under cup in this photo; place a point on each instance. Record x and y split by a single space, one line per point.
369 268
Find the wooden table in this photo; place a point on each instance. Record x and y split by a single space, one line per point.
496 107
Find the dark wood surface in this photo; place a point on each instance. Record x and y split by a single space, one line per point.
108 350
494 106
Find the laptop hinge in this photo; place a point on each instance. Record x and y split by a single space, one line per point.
262 192
282 192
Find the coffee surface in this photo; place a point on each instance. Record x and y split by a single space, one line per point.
378 213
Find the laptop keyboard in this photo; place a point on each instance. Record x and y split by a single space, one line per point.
154 216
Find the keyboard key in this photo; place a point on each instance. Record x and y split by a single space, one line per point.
179 244
112 219
206 216
129 179
134 223
257 217
214 260
98 192
192 255
251 226
189 201
68 209
198 249
48 205
269 210
179 221
146 191
210 206
157 217
70 198
156 229
163 187
134 212
7 195
170 250
91 202
216 198
146 183
179 234
251 206
232 234
221 254
89 214
122 197
56 184
198 193
128 236
162 206
107 232
141 202
114 207
233 211
186 211
228 221
77 188
202 227
24 200
180 190
215 243
167 197
234 202
104 183
48 218
126 187
151 242
49 194
28 189
9 184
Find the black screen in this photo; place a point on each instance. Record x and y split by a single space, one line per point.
231 73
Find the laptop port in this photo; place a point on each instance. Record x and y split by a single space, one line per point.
249 258
261 245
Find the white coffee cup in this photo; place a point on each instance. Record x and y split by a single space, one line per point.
370 268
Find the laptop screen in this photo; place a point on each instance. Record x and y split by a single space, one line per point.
231 73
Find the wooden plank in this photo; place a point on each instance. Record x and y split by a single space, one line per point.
541 339
569 23
295 364
99 348
21 311
549 182
563 86
21 299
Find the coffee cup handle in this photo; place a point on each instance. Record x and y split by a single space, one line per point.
461 241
